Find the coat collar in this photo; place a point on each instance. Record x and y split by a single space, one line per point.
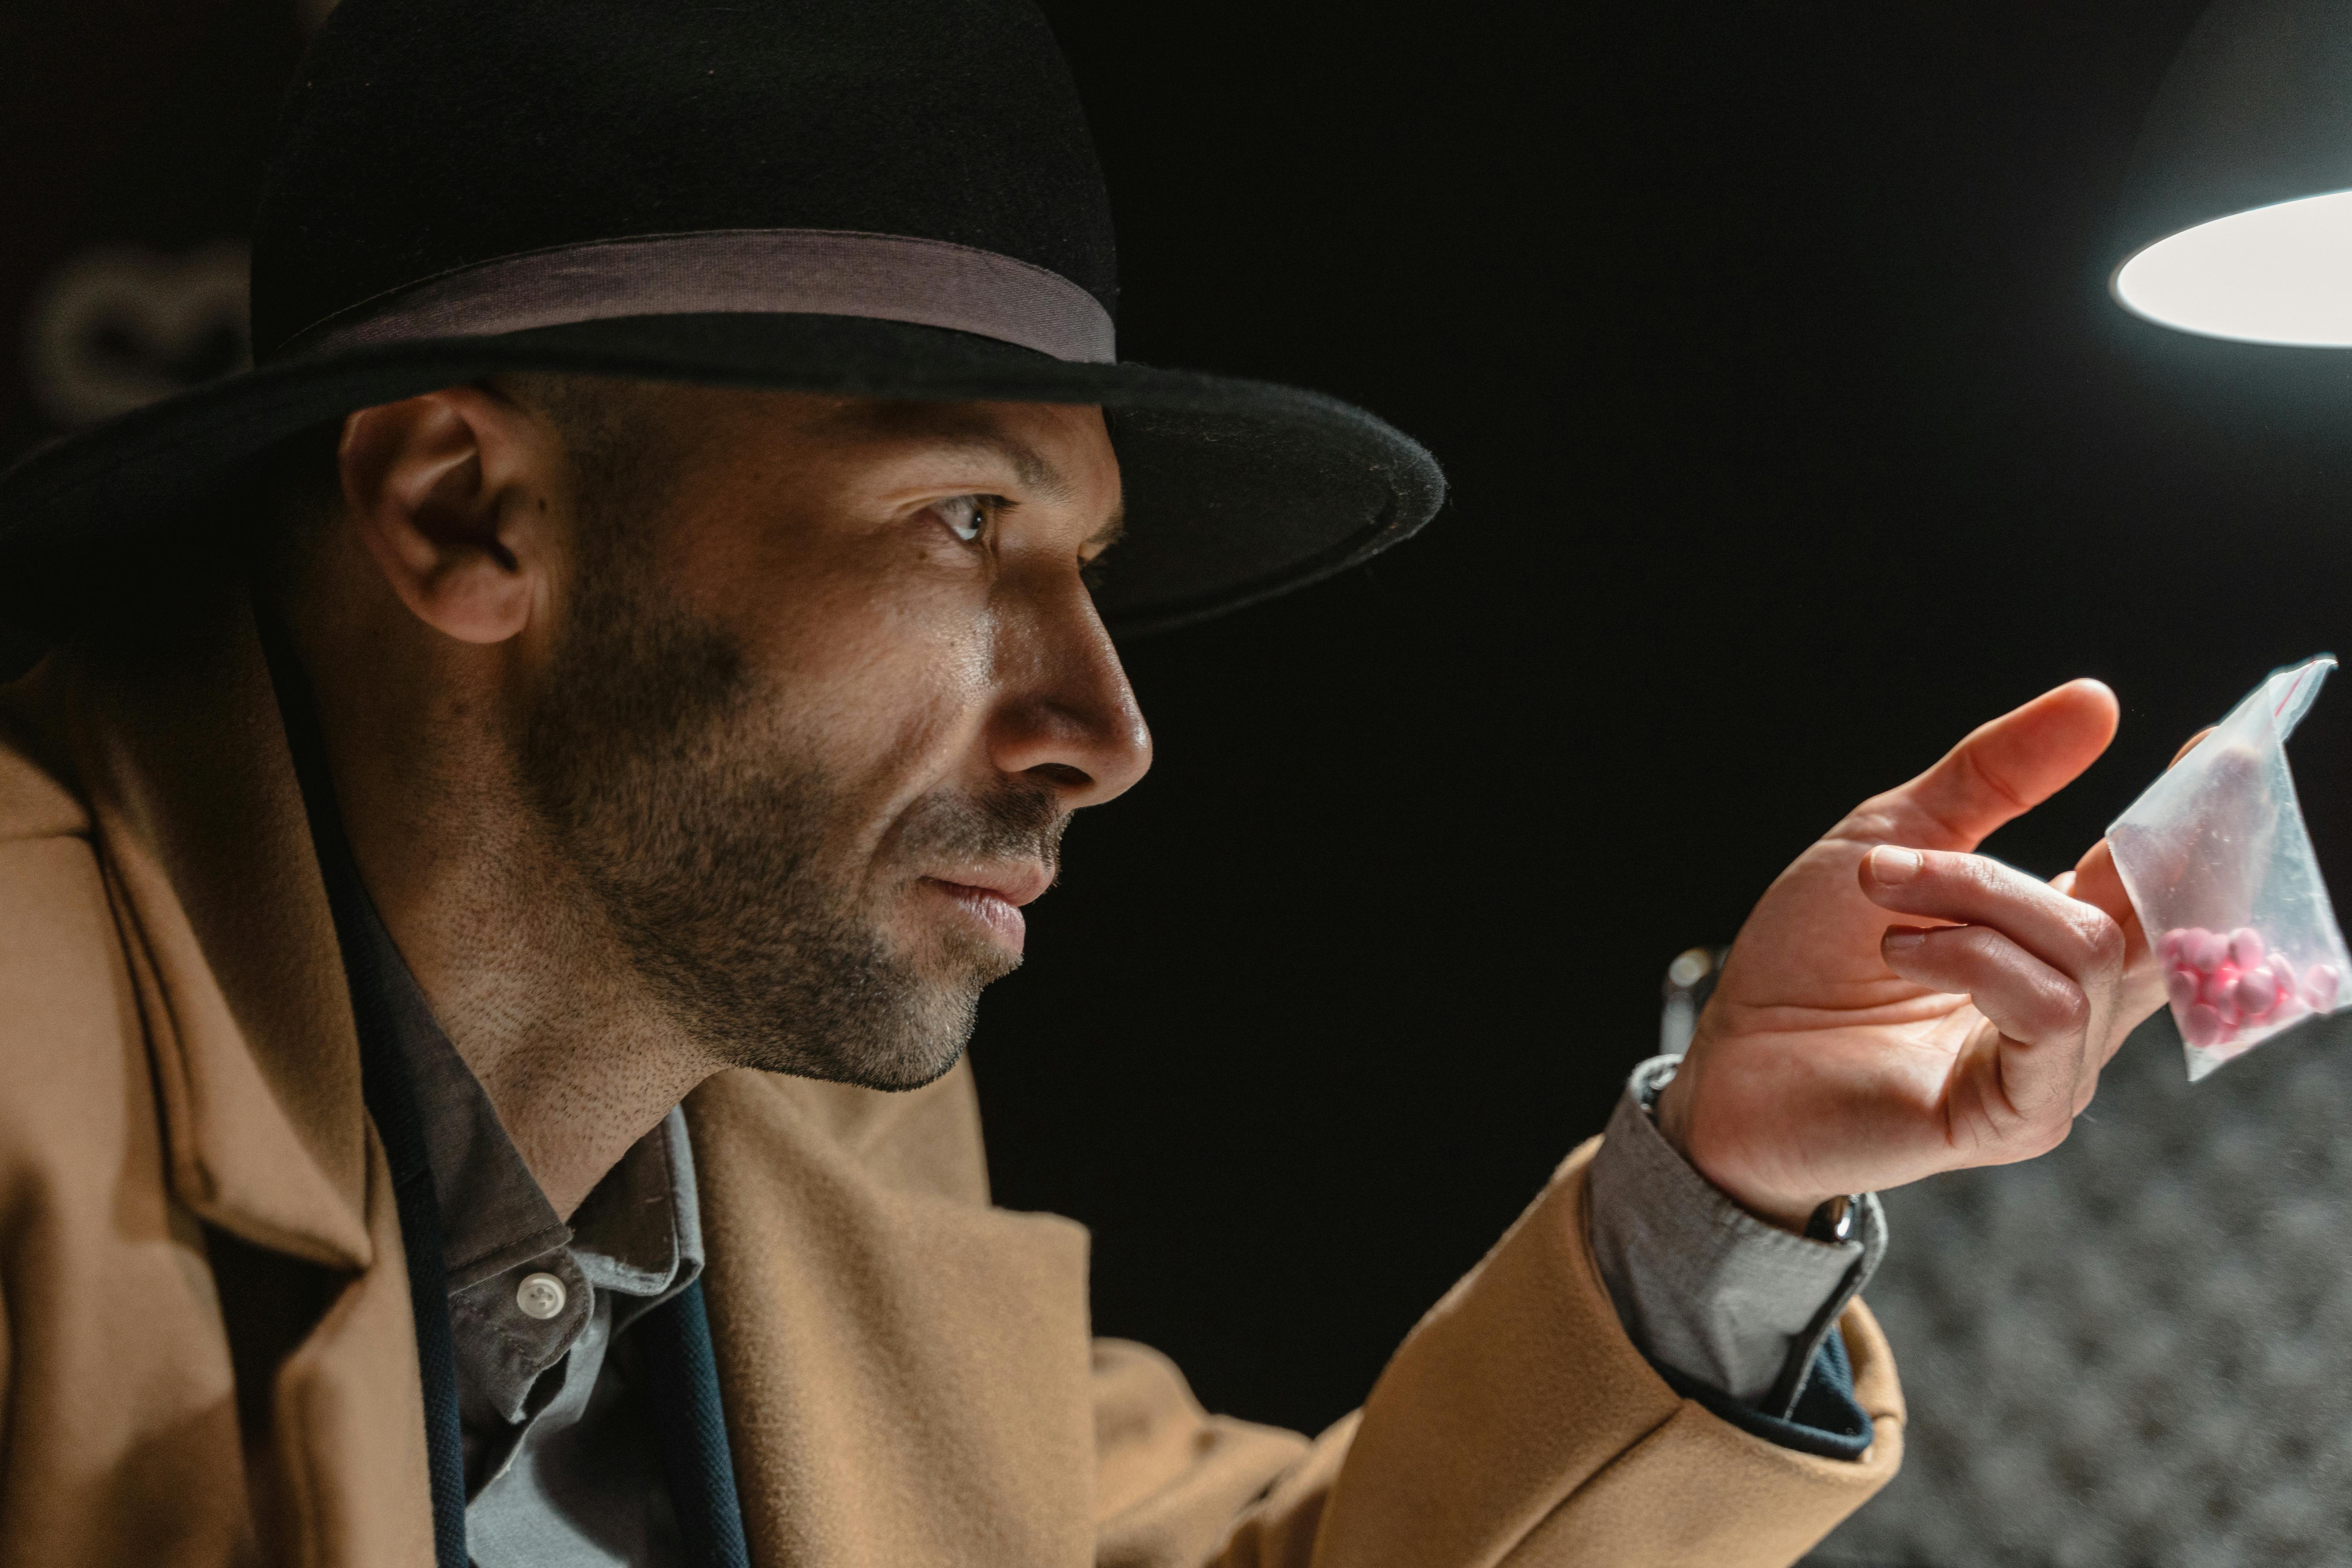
883 1333
906 1368
174 730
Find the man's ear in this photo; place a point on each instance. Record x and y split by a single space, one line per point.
450 493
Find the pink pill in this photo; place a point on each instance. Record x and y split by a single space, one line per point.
2319 987
2256 992
2246 946
2200 1025
2221 984
2203 949
2167 947
2180 985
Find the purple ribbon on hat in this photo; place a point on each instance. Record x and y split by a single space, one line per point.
792 271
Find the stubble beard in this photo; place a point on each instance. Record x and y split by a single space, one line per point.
702 836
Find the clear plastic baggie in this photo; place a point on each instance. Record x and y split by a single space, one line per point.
2219 868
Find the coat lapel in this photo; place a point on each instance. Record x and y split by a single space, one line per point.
905 1368
174 732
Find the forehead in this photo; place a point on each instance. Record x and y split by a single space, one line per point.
735 448
1060 450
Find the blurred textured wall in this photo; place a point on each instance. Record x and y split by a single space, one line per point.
2136 1350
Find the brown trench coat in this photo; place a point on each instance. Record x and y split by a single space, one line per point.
209 1356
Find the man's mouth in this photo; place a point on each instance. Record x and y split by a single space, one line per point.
996 901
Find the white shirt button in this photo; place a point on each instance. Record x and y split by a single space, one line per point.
539 1296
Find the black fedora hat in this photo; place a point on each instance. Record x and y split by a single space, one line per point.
892 198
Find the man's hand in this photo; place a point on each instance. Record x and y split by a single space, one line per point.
1844 1051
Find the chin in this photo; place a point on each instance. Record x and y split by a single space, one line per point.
889 1036
965 964
906 1053
915 1072
869 1010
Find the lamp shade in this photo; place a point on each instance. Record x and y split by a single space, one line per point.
2237 215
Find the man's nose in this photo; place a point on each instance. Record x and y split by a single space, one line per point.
1067 717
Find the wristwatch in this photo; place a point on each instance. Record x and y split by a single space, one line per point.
1834 1220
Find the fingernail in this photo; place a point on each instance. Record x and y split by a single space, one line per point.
1889 864
1900 939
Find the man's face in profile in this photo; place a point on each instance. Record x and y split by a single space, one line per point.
821 686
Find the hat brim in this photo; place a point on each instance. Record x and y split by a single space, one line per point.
1236 490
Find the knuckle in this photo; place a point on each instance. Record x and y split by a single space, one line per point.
1980 944
2103 937
1871 821
1972 872
2053 1014
2008 795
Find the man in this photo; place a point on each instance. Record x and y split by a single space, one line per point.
495 874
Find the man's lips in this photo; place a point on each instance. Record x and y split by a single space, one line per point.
994 897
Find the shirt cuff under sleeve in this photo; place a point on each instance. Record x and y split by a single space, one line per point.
1703 1286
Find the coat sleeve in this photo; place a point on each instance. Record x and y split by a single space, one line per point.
1516 1426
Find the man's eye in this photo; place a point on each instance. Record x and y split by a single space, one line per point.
966 516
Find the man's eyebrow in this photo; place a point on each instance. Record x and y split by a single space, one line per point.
1029 464
1113 530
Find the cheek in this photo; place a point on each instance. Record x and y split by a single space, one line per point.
875 648
891 702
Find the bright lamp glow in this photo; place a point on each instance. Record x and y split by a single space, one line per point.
2274 275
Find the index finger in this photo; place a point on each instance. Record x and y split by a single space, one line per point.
2005 768
2071 936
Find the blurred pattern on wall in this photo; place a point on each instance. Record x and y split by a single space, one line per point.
131 138
2131 1351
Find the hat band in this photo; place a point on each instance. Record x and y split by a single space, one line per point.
791 271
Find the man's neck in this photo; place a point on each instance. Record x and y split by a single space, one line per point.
522 970
537 996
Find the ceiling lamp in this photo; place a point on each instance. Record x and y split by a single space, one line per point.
2238 212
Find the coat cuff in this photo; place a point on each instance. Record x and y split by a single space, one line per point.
1711 1294
1518 1416
1827 1419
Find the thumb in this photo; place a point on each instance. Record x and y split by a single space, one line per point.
2005 768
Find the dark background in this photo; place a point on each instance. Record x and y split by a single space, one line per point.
1791 435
